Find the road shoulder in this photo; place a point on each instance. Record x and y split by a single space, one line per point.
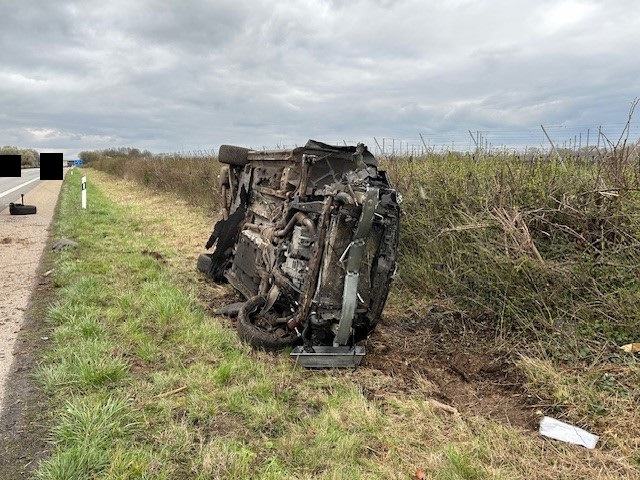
24 246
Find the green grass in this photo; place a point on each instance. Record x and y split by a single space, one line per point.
88 436
128 330
125 333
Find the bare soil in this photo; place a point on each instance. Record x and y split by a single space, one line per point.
464 371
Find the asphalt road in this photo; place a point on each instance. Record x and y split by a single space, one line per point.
12 187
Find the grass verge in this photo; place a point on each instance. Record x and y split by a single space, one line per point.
145 384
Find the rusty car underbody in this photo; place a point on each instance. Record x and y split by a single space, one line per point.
309 237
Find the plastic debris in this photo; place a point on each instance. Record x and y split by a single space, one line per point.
552 428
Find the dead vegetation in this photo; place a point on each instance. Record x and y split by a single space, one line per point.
193 178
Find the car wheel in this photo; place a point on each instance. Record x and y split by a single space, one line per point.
204 263
233 155
250 331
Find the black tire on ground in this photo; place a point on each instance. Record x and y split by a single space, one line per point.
18 209
255 336
232 155
204 263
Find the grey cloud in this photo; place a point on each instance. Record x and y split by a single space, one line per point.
171 74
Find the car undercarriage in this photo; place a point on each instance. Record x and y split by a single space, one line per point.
309 237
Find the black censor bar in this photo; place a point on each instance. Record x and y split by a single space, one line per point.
50 166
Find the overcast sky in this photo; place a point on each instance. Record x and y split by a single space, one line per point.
191 75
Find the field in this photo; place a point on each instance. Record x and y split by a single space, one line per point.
517 285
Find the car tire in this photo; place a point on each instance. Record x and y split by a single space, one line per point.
204 263
233 155
19 209
255 336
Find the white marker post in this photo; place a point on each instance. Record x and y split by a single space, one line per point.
84 192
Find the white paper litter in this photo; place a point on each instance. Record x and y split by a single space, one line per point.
552 428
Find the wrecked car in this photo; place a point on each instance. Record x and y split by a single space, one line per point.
309 237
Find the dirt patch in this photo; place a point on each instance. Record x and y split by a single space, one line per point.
467 372
214 296
10 240
470 375
464 371
158 256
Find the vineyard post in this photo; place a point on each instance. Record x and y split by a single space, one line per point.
424 144
476 142
553 147
375 140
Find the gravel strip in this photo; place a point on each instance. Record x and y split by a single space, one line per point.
22 242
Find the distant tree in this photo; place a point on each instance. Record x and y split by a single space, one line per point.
28 156
89 156
120 152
